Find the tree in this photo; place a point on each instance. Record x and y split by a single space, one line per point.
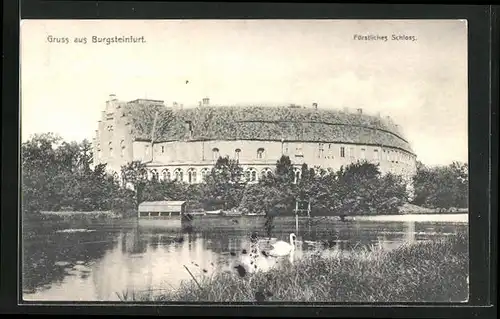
134 176
57 175
441 187
284 172
225 183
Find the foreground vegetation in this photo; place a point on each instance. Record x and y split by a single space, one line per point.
422 272
59 176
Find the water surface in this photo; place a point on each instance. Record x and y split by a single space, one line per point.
97 262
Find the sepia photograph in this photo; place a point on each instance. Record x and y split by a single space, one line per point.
317 161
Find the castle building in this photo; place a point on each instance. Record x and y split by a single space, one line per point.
183 144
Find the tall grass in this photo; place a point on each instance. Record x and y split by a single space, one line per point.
434 271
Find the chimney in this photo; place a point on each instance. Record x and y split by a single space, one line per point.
206 101
315 105
360 111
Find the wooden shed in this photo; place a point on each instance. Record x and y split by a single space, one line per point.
162 209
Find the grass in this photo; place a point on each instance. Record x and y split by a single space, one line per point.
421 272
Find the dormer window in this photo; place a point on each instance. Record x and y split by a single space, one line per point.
260 153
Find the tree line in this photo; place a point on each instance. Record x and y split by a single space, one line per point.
58 175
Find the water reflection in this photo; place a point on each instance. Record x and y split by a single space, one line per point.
112 259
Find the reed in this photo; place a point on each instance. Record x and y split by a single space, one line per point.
434 271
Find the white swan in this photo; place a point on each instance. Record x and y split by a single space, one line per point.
282 248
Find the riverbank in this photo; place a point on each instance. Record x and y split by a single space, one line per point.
434 271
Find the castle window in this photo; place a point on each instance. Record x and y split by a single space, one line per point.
215 154
154 175
146 150
285 148
320 151
110 144
297 172
298 151
163 149
237 153
192 176
99 152
260 153
251 175
342 151
204 173
165 175
363 156
178 174
122 148
266 172
376 155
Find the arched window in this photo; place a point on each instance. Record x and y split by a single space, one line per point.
266 172
215 153
191 176
179 175
204 173
237 154
260 153
376 155
122 148
297 172
251 175
165 174
154 175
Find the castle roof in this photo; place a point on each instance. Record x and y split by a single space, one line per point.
262 123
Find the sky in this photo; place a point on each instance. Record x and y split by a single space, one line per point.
421 83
